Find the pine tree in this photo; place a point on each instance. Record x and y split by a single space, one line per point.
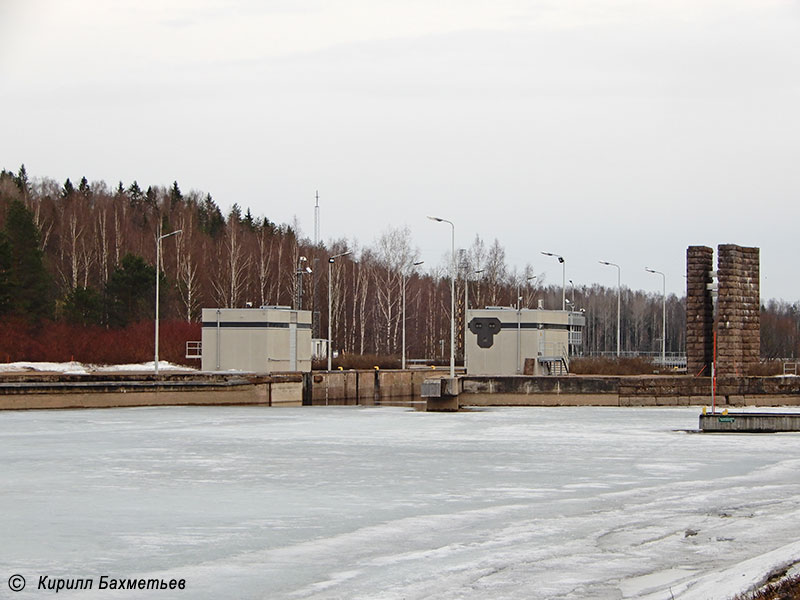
175 196
210 218
30 283
22 181
84 306
151 197
84 188
135 194
68 189
249 221
131 291
5 274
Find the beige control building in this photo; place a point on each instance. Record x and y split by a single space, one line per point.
500 339
260 340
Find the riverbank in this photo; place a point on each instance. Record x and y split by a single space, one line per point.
73 385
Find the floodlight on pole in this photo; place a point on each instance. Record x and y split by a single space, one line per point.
619 299
519 290
158 273
563 278
466 308
466 291
331 260
299 273
452 293
405 276
663 313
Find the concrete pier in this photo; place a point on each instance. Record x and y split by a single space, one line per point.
441 394
741 422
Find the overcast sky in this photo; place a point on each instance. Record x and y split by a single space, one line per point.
618 130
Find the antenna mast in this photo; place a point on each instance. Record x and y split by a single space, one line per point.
316 221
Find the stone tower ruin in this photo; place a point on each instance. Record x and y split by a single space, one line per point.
736 317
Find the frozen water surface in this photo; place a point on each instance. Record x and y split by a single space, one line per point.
350 502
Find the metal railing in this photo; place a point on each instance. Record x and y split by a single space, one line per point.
671 359
554 352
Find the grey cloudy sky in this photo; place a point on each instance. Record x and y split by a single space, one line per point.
619 130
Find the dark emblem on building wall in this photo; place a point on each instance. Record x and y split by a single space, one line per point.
485 328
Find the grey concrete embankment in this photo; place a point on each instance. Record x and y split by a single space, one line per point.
368 387
640 390
50 390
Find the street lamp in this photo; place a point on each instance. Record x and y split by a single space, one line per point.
466 308
619 298
330 317
299 273
519 323
403 360
158 272
563 278
452 293
466 291
519 290
663 314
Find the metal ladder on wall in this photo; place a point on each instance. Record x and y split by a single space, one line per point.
556 364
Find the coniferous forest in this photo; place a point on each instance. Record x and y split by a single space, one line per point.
77 280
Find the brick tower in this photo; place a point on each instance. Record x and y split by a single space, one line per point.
738 319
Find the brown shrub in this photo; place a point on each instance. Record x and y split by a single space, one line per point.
766 368
786 589
601 365
60 342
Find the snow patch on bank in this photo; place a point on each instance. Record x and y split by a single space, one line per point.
76 368
743 577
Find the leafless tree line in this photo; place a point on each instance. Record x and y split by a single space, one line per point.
236 260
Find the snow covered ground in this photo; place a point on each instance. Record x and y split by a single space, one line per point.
76 368
348 502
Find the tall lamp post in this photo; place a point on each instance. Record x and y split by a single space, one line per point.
466 308
563 278
520 367
331 260
619 299
405 276
452 293
466 294
663 314
158 273
519 290
299 273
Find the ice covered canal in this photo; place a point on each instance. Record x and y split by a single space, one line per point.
389 503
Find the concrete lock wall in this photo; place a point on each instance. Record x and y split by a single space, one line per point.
365 387
629 391
370 386
258 340
499 340
91 392
30 391
540 391
334 387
